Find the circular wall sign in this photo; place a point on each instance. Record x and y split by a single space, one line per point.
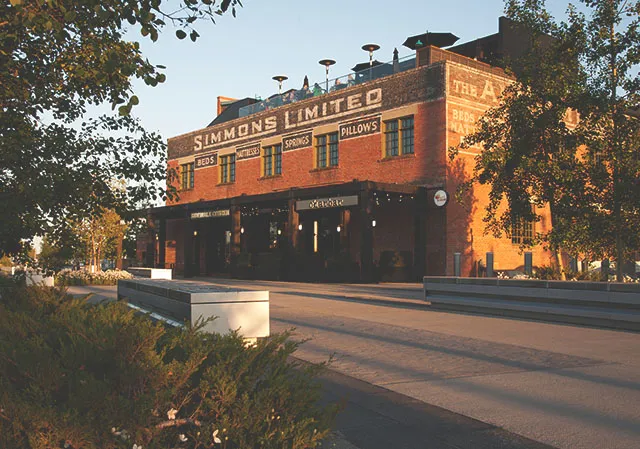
440 198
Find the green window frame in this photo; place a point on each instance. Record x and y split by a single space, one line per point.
227 168
272 160
187 176
399 136
327 147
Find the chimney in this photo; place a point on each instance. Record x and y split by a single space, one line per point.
223 102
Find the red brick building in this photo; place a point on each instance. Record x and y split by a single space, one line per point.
346 184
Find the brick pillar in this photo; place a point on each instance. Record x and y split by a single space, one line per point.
292 225
188 248
235 248
419 235
151 243
345 222
162 239
366 239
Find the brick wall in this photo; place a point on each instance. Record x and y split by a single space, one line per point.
470 92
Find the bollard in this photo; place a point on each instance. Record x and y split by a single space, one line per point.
604 270
489 264
528 263
573 264
456 264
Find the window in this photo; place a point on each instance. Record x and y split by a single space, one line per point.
227 168
327 150
522 231
333 149
272 160
391 138
186 176
406 131
398 136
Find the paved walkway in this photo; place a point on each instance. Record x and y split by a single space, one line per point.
563 386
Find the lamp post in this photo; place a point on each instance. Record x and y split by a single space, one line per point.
370 48
280 79
327 63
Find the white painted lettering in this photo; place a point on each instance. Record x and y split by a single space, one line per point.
311 113
374 96
353 102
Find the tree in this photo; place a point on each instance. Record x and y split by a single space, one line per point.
610 55
587 174
56 58
56 254
528 155
100 235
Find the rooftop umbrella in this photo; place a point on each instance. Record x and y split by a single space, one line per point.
365 65
435 39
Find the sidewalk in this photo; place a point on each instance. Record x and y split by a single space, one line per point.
377 418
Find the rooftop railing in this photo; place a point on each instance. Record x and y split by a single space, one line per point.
321 88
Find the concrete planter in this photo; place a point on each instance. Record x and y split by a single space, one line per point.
608 304
151 273
245 310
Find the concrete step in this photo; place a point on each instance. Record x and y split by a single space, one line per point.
598 316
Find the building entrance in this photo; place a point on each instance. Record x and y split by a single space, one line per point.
211 246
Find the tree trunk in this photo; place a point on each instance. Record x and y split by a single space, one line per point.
557 253
617 206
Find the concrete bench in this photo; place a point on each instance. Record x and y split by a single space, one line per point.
602 304
178 301
151 273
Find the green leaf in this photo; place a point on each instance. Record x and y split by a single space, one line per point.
194 35
181 34
134 100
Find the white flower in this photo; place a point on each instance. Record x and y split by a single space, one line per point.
182 438
171 414
215 437
135 446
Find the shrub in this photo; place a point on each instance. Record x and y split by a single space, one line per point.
75 375
82 277
548 273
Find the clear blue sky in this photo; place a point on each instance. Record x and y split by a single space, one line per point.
237 57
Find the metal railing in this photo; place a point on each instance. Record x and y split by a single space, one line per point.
332 85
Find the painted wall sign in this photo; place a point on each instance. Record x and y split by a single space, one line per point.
326 203
248 152
206 161
211 213
296 141
360 128
423 84
475 85
440 198
337 107
230 134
